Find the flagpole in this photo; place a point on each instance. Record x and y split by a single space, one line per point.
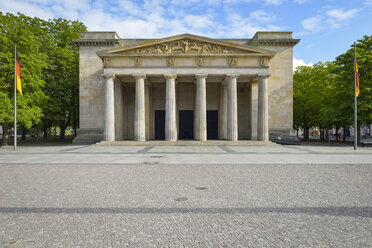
355 102
15 97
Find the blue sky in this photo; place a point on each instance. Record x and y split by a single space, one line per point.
326 28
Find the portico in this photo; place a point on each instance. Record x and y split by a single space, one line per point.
228 108
182 87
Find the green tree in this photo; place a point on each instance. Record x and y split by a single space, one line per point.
323 94
345 81
62 74
311 88
16 30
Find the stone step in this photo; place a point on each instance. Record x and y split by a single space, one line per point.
186 143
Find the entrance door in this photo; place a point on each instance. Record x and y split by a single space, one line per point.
159 124
212 124
186 124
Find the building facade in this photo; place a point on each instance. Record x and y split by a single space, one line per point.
185 87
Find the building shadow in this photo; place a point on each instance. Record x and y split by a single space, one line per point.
365 212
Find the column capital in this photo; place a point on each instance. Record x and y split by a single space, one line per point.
201 76
232 75
139 75
170 76
263 76
108 76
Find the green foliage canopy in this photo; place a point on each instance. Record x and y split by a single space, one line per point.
323 94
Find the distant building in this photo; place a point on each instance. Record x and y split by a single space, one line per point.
185 87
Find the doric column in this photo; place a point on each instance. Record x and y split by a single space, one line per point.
253 109
201 108
263 109
224 110
109 114
232 108
170 108
248 113
139 108
148 111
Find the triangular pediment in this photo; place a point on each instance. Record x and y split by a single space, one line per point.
187 44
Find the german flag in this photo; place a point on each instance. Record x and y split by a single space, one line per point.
18 75
357 78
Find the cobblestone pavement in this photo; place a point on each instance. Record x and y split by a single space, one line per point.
275 154
185 205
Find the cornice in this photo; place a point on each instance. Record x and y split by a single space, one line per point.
275 42
98 42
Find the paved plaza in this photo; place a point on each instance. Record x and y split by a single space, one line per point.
185 196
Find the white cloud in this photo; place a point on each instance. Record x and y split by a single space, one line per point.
300 62
331 19
313 23
152 18
300 1
340 15
274 2
337 16
201 21
368 3
261 15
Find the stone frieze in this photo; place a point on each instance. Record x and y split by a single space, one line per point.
184 46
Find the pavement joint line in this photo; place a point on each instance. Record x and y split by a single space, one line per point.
226 149
145 150
305 150
186 153
184 164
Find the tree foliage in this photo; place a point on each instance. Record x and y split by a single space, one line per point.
323 94
49 70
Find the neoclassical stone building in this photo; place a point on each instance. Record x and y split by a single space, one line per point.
185 87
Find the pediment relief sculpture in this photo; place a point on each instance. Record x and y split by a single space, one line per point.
184 46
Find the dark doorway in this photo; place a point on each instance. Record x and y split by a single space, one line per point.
212 124
186 124
159 124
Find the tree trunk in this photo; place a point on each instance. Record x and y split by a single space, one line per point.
336 133
358 131
327 135
305 129
307 133
297 131
344 138
37 133
23 133
5 134
62 127
45 126
320 132
65 124
75 124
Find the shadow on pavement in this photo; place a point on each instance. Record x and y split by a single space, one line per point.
335 211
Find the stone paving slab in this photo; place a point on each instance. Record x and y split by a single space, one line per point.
186 149
188 155
187 143
122 205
